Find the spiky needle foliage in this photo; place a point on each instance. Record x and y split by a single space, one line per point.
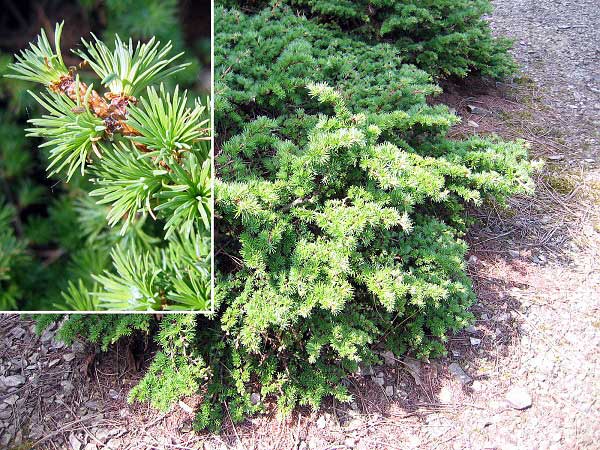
144 158
342 209
443 37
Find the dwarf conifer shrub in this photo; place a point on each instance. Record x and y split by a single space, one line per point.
141 152
341 210
443 37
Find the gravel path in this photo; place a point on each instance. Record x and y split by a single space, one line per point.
557 43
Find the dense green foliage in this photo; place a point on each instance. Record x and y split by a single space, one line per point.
341 208
134 219
443 37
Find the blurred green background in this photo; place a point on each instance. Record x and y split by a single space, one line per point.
39 231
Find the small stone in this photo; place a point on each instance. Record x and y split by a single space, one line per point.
11 400
67 386
18 332
74 442
389 391
321 422
365 371
477 386
78 347
518 397
413 366
56 345
475 341
514 253
12 381
350 442
102 435
68 357
255 398
389 358
187 408
54 362
459 373
445 395
115 444
379 379
47 335
113 394
473 259
473 124
502 317
478 111
556 157
92 404
471 329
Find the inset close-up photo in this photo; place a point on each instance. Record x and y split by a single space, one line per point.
105 162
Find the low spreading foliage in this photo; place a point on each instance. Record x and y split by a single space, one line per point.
342 209
443 37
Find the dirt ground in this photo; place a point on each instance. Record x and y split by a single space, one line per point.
525 376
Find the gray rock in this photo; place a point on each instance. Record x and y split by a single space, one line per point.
459 373
113 394
413 366
47 336
502 317
365 371
478 111
514 253
12 381
54 362
74 442
115 444
350 442
389 358
518 397
255 398
475 341
389 391
379 379
12 399
78 347
68 357
321 422
67 386
18 332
